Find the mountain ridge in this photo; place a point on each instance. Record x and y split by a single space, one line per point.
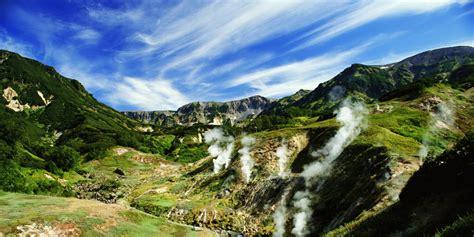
370 81
213 113
368 187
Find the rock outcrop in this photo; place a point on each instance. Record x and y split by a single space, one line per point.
213 113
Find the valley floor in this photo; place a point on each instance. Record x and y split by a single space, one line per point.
37 215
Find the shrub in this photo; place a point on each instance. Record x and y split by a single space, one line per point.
11 178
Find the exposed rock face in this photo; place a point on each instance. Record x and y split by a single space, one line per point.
13 102
214 113
4 57
11 97
46 101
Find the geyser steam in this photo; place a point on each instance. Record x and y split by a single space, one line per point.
282 154
352 118
301 200
221 147
441 118
279 217
246 161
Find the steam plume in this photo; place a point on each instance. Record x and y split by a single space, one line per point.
352 117
282 154
245 159
279 217
221 147
441 118
301 218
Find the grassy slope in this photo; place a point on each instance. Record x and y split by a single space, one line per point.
87 217
391 141
394 136
73 118
437 198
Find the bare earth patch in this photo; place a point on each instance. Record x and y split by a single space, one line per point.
39 229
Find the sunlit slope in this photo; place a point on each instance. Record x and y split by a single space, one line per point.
52 216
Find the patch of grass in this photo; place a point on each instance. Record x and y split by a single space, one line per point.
157 205
91 217
402 120
380 136
464 226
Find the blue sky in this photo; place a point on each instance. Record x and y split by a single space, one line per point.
155 55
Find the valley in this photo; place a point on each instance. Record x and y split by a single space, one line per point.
375 151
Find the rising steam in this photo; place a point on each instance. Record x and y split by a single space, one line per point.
441 118
352 118
300 219
221 147
246 160
282 154
279 217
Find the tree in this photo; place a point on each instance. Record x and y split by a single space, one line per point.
63 157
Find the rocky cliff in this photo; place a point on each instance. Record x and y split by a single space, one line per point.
213 113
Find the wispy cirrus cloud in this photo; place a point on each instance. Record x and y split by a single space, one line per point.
161 54
88 35
147 94
305 74
224 27
367 11
10 44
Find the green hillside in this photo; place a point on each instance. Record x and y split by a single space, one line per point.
49 124
400 158
376 82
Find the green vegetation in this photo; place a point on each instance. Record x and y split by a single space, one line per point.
65 143
87 218
463 76
461 227
60 126
436 199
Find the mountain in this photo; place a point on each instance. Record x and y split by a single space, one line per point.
372 152
374 81
292 98
49 123
448 179
366 82
213 113
372 187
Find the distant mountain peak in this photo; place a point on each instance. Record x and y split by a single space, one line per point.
437 55
215 113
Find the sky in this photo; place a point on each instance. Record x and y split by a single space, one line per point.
160 55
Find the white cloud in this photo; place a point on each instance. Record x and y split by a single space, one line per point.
88 35
8 43
115 17
306 74
92 81
204 48
224 27
157 94
185 42
367 11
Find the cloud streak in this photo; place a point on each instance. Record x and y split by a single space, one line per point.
207 50
368 11
147 94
